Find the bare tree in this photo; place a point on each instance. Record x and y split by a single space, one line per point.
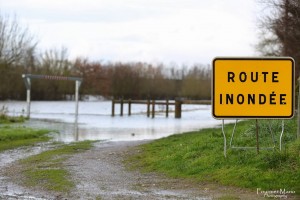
55 61
15 41
280 29
17 52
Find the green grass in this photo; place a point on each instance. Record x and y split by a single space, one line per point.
12 137
5 119
46 170
199 156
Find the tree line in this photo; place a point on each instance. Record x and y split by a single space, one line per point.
111 80
143 80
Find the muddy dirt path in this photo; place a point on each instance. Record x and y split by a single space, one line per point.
99 173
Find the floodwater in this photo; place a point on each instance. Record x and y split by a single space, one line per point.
96 123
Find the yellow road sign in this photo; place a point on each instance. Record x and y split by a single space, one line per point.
253 87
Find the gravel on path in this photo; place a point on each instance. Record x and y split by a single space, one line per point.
100 173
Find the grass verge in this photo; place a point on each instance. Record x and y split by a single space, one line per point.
199 156
46 170
12 137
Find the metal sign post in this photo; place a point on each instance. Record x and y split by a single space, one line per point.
28 88
77 85
224 136
27 80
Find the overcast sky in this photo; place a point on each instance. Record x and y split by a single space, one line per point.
178 31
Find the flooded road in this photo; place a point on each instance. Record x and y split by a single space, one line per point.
95 121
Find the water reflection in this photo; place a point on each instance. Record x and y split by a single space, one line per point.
76 132
146 128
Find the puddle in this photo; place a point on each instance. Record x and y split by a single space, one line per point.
12 191
10 156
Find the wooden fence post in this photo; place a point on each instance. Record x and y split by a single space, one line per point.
148 108
113 107
153 108
167 108
129 107
121 107
178 108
